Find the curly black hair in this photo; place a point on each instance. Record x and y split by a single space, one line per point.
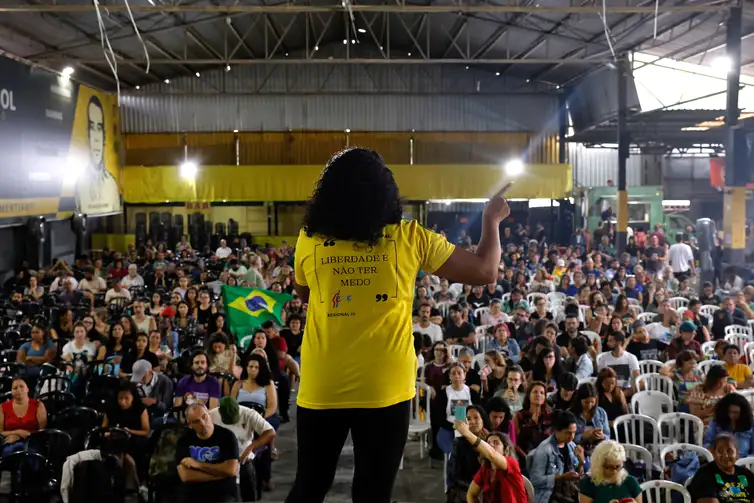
722 417
355 198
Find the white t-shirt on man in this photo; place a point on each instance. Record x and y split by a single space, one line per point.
433 331
680 255
624 366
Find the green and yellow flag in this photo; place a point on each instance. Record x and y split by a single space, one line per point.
248 308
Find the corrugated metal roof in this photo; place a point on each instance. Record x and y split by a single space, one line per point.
400 112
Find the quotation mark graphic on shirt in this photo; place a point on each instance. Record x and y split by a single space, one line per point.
330 242
381 297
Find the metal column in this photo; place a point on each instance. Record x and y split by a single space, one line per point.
562 128
624 73
736 151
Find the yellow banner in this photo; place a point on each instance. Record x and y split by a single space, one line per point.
93 158
28 207
162 184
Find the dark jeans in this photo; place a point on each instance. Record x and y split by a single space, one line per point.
379 436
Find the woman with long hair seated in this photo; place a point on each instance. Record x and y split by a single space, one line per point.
140 351
493 373
547 369
704 397
434 377
20 416
607 480
130 414
534 421
733 416
592 425
36 352
611 397
463 463
256 386
499 477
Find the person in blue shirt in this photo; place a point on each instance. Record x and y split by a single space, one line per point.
733 415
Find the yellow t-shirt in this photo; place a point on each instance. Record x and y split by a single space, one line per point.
358 348
738 371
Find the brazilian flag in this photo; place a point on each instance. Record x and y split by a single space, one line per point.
248 308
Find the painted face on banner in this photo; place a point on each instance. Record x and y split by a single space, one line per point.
96 134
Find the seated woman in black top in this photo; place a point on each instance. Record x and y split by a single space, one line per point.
139 352
130 414
722 481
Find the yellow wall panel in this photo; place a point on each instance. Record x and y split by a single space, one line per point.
295 183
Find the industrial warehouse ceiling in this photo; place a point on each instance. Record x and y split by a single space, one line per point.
551 41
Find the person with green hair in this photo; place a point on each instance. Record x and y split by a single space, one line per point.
252 433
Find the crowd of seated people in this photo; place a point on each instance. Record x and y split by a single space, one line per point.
139 339
569 340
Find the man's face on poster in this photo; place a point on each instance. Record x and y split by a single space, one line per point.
96 134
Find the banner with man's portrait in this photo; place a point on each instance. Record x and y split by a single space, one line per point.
59 141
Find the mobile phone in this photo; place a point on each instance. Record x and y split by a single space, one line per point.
460 413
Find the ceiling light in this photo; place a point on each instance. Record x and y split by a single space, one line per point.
348 130
353 41
188 170
227 68
722 63
316 47
514 167
198 74
68 71
409 54
235 130
361 30
467 67
138 87
286 54
167 81
497 74
345 41
528 80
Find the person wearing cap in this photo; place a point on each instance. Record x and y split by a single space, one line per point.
684 341
252 433
156 389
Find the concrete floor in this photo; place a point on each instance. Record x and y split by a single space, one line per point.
416 483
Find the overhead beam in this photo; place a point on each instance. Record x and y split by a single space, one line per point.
406 9
336 61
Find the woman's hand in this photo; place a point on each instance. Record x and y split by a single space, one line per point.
579 452
462 427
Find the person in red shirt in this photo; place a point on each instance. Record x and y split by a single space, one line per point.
499 479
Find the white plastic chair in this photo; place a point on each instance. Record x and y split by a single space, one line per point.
481 337
556 298
661 491
593 336
584 309
505 298
748 394
455 350
635 310
632 429
651 403
748 348
529 489
702 453
679 427
650 366
747 462
706 364
677 302
533 296
633 302
670 363
708 349
708 311
738 329
420 424
456 288
737 339
480 312
655 382
478 361
444 308
647 317
592 380
637 453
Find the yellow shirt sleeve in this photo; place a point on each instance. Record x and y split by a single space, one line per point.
434 249
302 250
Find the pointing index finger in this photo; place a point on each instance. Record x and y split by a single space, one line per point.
505 189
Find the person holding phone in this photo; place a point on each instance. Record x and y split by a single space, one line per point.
558 463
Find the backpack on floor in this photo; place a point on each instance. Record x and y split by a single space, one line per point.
98 480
